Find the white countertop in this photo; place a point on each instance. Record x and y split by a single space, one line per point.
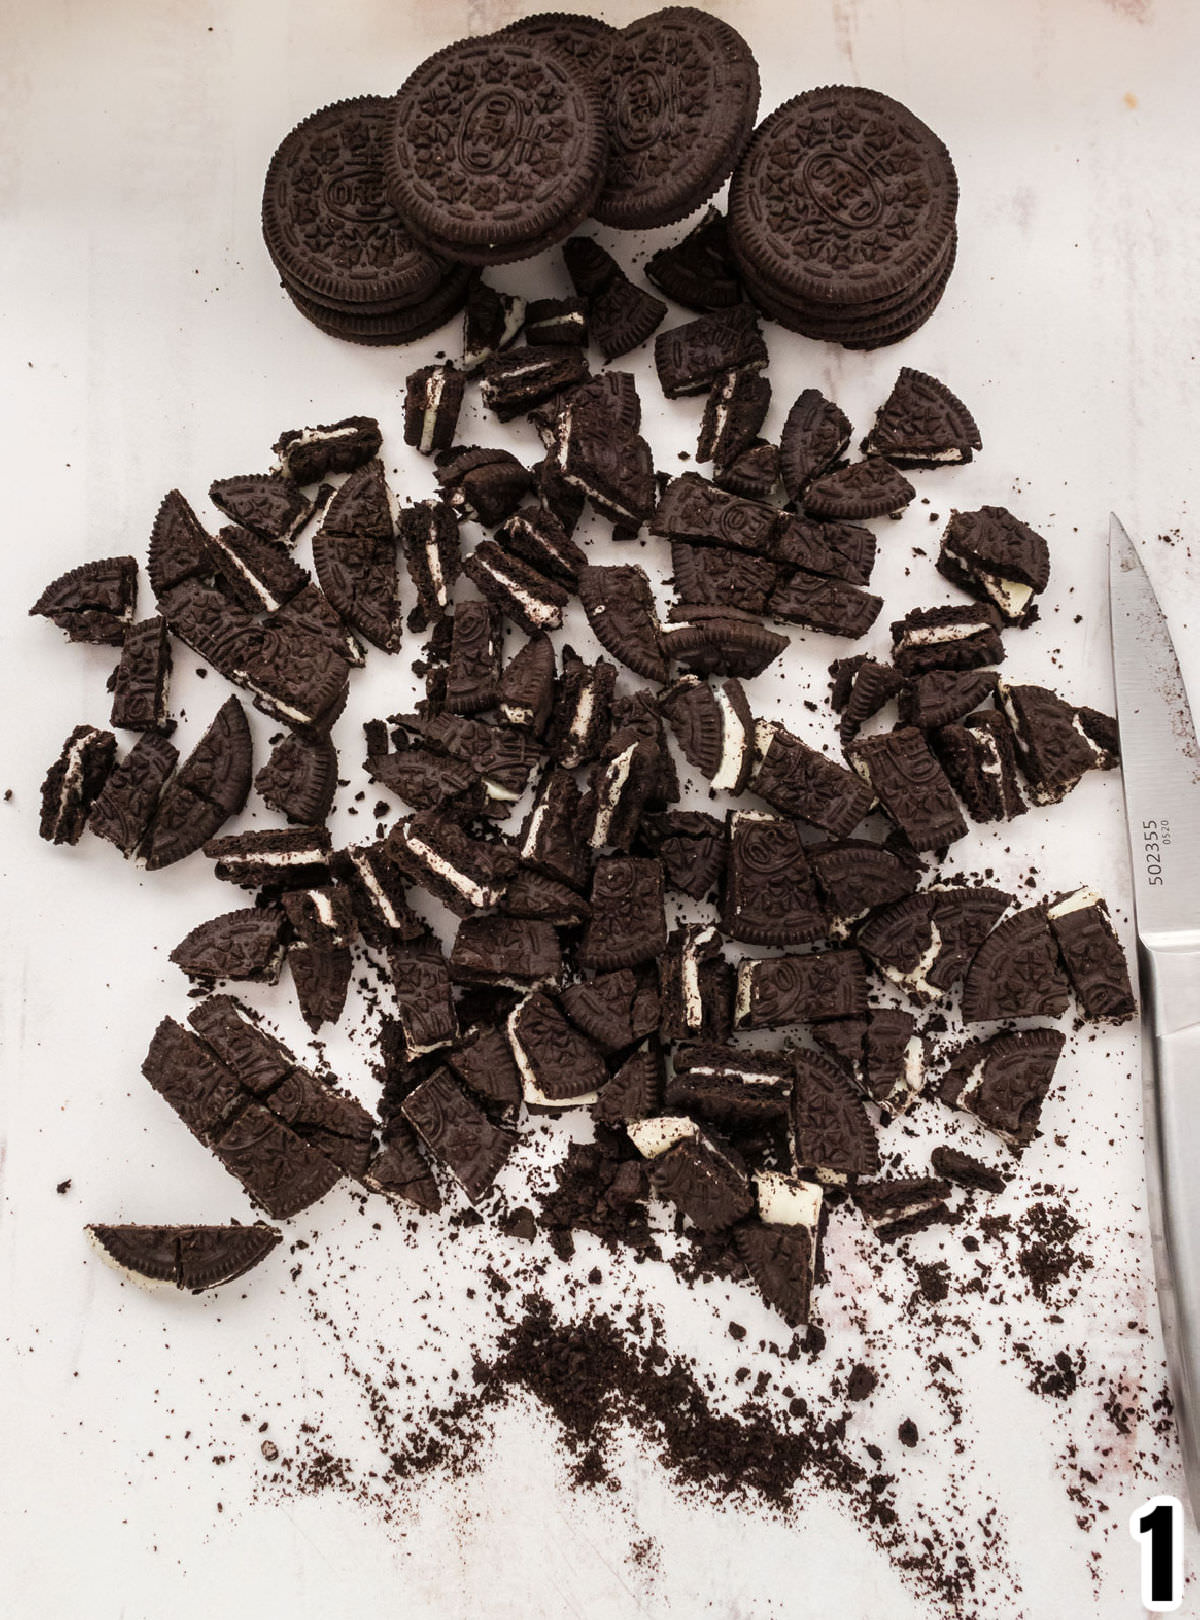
146 344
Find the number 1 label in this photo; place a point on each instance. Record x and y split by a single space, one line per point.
1158 1525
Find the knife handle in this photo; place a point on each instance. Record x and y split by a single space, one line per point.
1171 1087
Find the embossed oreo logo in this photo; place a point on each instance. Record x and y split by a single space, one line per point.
490 130
641 108
843 189
357 195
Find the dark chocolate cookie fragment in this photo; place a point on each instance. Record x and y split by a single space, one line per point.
258 574
635 1090
307 455
142 677
801 781
237 1036
559 1065
421 979
754 473
429 540
699 272
1055 747
268 504
524 377
824 604
682 104
271 857
734 412
902 1205
782 1262
689 359
922 424
557 321
300 779
691 846
491 321
605 462
94 602
864 489
433 397
1092 955
243 945
211 785
711 576
980 759
457 1132
483 1060
943 696
619 604
1003 1081
321 976
484 485
516 951
126 802
830 1126
398 1170
801 989
628 923
74 783
534 534
855 876
814 435
525 692
473 673
326 1117
696 986
925 942
699 1173
769 896
190 1257
946 638
859 688
995 557
901 771
842 551
693 509
719 643
1016 972
621 315
966 1170
186 1074
280 1171
525 596
527 160
358 575
731 1085
614 1009
178 545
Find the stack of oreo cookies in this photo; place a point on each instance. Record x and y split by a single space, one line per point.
347 261
842 217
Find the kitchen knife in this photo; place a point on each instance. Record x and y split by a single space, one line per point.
1160 766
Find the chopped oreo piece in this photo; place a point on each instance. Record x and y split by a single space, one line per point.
557 321
243 945
421 980
358 575
483 1060
996 558
946 638
695 986
545 899
500 755
522 378
901 771
536 536
433 397
824 604
92 603
695 1170
980 759
893 1059
733 1085
178 545
464 873
621 315
430 781
362 507
854 876
605 462
267 503
734 413
636 1090
525 691
861 686
513 951
690 358
754 473
306 455
943 696
378 894
814 436
966 1170
399 1171
842 551
830 1128
237 1036
1092 955
559 1066
621 784
473 674
712 576
310 616
270 857
699 272
864 489
695 510
925 942
491 321
485 485
258 574
619 604
126 802
279 1170
1056 746
800 781
528 598
185 1073
714 729
781 1255
142 677
74 783
457 1132
614 1009
1016 973
922 424
628 923
902 1205
326 1117
429 540
769 896
777 990
692 848
210 786
549 838
300 779
715 642
1003 1081
194 1258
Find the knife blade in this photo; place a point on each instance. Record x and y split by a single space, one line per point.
1160 768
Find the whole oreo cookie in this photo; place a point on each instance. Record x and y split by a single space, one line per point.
684 97
327 220
497 148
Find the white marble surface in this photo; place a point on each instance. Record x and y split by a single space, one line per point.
145 344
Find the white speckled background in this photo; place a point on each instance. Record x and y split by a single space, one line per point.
146 344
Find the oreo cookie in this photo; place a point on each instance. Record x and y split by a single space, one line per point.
683 101
943 696
486 485
300 779
258 574
773 991
520 379
695 986
1016 972
1056 743
714 729
900 769
473 672
902 1205
74 782
712 576
559 1066
307 455
859 688
621 315
979 757
94 602
769 896
689 359
280 1171
192 1258
731 1085
824 604
635 1090
457 1132
854 876
424 1000
534 534
734 412
178 545
864 489
1004 1081
562 321
754 473
841 551
517 952
268 504
271 858
620 607
695 1170
996 558
1092 955
946 638
922 424
695 510
244 944
526 161
814 436
691 847
830 1128
925 942
615 1009
211 785
433 397
628 923
800 781
520 592
483 1060
125 804
781 1250
699 272
429 540
712 641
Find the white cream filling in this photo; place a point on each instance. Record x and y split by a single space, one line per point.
323 906
904 1212
745 987
927 635
529 847
907 1088
577 732
433 561
495 790
277 706
689 977
476 893
308 856
1098 753
516 714
743 1074
787 1201
734 743
612 785
654 1137
374 888
433 398
1080 900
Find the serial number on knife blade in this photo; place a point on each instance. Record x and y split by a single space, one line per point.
1156 836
